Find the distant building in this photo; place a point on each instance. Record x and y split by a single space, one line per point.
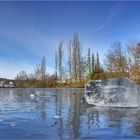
1 84
6 84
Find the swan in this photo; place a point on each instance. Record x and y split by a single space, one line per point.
57 117
36 92
32 95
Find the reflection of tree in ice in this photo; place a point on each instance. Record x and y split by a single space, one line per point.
124 120
74 115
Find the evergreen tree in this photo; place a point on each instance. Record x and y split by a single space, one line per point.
93 63
97 66
89 63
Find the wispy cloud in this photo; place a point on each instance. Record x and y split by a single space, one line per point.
24 44
10 68
113 11
35 42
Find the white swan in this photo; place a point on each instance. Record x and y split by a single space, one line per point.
36 92
32 95
57 117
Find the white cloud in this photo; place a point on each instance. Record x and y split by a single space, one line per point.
10 68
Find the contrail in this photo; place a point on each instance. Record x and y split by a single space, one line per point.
113 12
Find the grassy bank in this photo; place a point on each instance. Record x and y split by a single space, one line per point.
55 83
44 84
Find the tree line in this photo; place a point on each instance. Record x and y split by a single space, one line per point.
73 68
124 60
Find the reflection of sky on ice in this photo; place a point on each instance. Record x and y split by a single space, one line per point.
23 117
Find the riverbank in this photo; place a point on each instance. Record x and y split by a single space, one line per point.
43 84
50 84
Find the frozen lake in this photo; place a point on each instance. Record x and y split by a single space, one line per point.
60 114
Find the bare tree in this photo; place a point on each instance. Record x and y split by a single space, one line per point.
116 59
70 60
133 49
76 61
40 70
56 63
43 68
37 72
22 75
79 62
60 56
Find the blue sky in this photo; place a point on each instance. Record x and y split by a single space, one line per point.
30 30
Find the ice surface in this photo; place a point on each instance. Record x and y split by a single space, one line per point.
118 92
